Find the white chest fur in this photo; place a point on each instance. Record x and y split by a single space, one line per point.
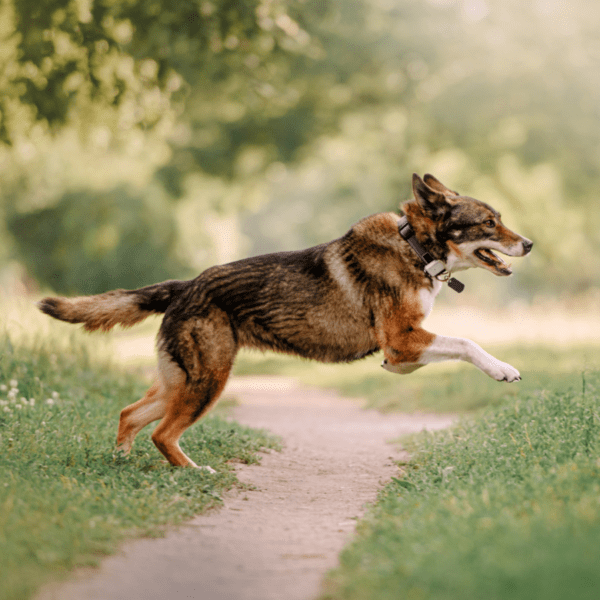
427 297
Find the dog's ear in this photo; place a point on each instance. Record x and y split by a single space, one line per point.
433 202
437 185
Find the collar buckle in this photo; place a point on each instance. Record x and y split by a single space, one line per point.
434 268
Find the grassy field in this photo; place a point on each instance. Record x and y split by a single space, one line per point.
504 506
65 498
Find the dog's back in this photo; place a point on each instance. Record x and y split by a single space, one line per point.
318 303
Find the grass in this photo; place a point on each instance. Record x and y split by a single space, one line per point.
506 506
65 498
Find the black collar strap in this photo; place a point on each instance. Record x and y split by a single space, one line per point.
433 268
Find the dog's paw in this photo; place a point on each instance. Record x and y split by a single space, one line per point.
122 450
206 468
502 371
191 465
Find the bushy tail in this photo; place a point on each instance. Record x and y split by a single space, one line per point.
125 307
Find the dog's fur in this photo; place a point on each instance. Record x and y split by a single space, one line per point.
337 302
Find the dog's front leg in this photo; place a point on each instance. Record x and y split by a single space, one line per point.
450 348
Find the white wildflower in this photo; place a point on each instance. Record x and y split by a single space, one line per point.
7 410
3 403
24 401
49 401
55 395
3 388
13 383
31 401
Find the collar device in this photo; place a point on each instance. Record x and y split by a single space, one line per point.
433 267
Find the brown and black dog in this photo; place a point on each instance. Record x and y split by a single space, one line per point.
337 302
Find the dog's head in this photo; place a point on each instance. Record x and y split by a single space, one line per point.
466 230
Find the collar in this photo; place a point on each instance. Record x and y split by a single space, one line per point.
433 268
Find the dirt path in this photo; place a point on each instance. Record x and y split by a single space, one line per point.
277 542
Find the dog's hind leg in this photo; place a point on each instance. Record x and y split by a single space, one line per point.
206 349
139 414
151 407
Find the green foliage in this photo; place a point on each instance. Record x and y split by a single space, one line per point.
319 111
502 507
252 109
233 66
91 242
137 57
65 498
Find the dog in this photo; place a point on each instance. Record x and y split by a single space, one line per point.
337 302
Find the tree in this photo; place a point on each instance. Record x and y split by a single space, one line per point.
499 97
91 242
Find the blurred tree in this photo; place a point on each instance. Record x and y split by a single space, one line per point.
91 242
241 70
252 81
133 57
498 97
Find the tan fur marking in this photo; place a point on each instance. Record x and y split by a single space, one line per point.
181 413
454 248
383 223
176 420
421 223
139 414
403 340
346 283
506 235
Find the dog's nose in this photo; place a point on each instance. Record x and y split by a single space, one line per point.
527 246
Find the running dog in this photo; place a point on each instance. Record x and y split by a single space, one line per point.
337 302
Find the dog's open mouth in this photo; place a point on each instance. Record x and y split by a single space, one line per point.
485 255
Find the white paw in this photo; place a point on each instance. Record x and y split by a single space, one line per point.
193 465
502 371
206 468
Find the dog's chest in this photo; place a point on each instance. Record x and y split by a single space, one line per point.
427 297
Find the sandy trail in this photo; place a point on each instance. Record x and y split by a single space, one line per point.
277 542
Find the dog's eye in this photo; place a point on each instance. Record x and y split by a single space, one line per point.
490 223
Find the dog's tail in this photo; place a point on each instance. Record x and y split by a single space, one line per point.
125 307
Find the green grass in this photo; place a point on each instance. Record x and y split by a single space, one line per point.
506 506
65 498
